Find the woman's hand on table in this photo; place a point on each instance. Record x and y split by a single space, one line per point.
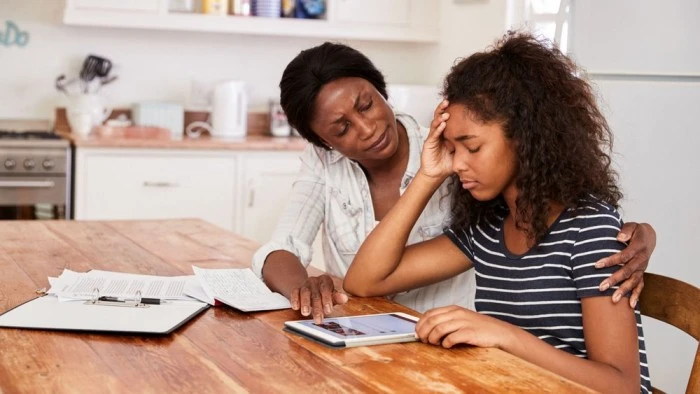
316 297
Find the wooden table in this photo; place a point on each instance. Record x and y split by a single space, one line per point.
221 350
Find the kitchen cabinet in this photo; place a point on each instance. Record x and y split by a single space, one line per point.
626 37
155 184
240 191
372 12
386 20
265 182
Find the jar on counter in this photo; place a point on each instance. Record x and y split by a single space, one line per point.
182 6
279 126
215 7
240 7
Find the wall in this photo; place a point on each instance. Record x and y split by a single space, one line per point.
159 65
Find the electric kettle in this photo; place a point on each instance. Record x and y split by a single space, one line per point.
229 112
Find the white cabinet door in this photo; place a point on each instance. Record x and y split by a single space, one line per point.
267 179
637 37
383 12
157 184
392 19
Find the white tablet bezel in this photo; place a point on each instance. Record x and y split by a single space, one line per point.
331 340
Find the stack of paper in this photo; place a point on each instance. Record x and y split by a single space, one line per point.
71 285
238 288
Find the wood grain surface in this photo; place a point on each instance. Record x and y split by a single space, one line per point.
221 350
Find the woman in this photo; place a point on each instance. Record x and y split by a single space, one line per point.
361 158
537 209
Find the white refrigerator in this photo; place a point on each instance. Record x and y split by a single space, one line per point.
644 58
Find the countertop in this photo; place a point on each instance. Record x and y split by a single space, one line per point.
221 350
205 142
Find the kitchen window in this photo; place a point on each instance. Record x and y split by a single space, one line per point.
544 18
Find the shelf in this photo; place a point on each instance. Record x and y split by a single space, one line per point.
250 25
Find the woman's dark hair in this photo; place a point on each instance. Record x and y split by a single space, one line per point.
561 139
312 68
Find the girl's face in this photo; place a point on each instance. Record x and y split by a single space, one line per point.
484 159
353 118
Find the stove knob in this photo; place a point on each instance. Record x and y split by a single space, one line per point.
29 164
10 164
48 164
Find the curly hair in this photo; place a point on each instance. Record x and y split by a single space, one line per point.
561 139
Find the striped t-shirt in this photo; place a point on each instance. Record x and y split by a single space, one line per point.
541 290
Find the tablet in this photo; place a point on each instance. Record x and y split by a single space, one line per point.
362 330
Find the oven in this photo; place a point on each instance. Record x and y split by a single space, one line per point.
35 172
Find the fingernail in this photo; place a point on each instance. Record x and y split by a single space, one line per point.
599 264
327 309
305 311
623 237
445 116
633 302
604 286
616 297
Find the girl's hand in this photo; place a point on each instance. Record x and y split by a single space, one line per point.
452 325
436 159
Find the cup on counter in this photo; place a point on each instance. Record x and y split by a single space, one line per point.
279 126
80 123
84 111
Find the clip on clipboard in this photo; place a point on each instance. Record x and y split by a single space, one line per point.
135 302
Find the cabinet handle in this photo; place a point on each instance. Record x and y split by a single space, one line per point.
160 184
251 197
26 184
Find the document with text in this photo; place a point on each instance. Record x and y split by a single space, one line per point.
71 285
236 287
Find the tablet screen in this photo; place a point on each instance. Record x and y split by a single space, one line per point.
364 326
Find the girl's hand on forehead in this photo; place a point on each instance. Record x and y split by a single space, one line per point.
436 159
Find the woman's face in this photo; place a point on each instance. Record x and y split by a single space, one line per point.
484 159
352 117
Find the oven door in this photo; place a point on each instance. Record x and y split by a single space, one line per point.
35 197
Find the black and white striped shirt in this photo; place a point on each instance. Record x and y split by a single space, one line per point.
541 291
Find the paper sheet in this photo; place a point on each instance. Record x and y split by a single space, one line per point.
239 288
76 285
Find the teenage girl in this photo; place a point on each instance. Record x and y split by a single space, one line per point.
522 134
